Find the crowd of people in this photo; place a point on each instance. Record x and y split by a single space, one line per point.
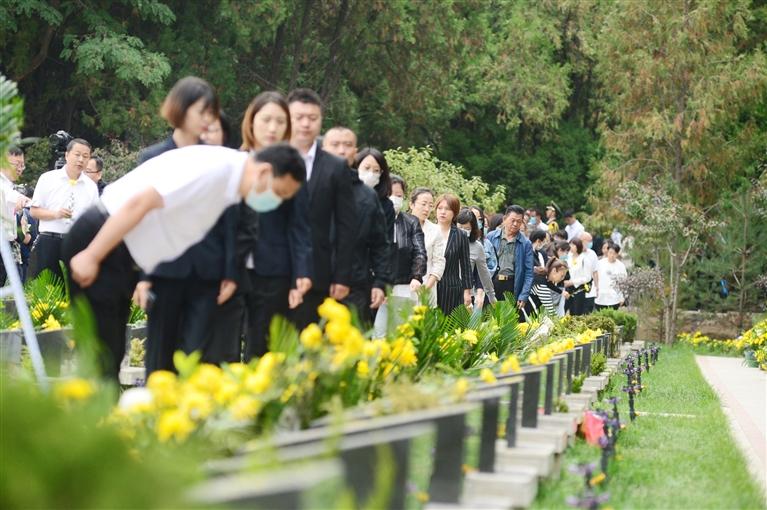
215 239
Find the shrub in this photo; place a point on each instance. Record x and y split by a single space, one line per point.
621 318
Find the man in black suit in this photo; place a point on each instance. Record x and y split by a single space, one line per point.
331 208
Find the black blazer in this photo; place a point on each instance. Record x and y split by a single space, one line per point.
212 259
332 217
372 257
284 247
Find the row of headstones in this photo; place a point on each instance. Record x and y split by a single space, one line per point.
508 470
53 347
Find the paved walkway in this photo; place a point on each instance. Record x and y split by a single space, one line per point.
743 393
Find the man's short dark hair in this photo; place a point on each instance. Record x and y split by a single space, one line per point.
538 235
569 214
99 163
611 245
285 160
78 141
516 209
561 233
15 151
305 96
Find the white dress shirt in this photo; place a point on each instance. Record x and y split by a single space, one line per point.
197 183
8 199
309 160
609 274
55 191
435 255
574 230
591 261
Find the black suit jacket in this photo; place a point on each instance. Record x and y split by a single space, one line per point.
332 216
212 259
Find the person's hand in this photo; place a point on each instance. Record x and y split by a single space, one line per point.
430 282
339 291
63 213
141 294
415 285
377 298
520 304
21 202
295 298
568 283
226 291
565 294
539 270
467 298
303 285
84 268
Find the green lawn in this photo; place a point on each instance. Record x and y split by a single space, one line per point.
668 461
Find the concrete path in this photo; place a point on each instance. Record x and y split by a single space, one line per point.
743 393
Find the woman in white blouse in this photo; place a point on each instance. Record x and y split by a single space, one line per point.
610 270
421 205
580 278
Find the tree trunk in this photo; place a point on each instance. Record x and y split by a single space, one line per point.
743 261
299 39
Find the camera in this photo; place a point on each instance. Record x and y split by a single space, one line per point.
59 142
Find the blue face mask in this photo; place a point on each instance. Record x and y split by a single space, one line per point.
481 224
590 244
265 201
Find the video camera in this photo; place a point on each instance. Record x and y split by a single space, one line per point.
59 142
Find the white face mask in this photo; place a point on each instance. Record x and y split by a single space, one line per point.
397 202
369 178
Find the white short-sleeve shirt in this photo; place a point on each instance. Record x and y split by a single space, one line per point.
55 190
197 183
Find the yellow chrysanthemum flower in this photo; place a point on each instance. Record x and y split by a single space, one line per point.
74 389
332 310
337 331
510 364
174 424
311 337
470 336
460 388
363 370
487 376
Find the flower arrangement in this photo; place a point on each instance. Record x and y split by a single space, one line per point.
752 343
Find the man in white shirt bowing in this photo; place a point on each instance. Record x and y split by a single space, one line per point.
60 197
156 212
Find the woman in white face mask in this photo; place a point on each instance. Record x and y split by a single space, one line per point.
373 171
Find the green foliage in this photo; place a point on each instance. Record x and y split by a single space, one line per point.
118 159
51 451
39 159
622 318
136 315
598 363
578 382
534 174
11 115
46 297
420 167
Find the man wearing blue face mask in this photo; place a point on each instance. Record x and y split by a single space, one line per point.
156 212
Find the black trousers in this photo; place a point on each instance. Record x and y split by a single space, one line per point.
306 313
607 307
577 303
223 342
110 295
179 319
359 299
268 298
46 254
502 286
588 305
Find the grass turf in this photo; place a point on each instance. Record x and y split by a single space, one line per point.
667 461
